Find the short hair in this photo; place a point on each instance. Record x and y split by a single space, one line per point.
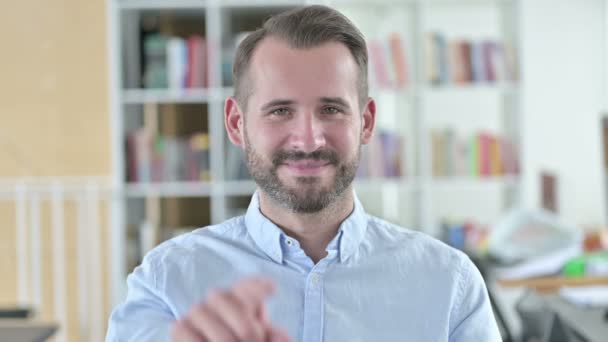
302 28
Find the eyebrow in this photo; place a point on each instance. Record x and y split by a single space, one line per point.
276 103
285 102
335 100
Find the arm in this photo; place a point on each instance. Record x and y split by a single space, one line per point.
144 315
472 318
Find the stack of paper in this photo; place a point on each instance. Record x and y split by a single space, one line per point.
591 296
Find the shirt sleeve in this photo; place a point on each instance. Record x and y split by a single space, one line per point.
144 316
472 318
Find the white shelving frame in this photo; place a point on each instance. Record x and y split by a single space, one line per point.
419 183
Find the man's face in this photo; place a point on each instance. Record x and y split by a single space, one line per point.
303 128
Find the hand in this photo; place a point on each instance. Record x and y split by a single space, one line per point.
236 314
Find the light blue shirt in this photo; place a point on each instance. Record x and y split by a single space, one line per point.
378 282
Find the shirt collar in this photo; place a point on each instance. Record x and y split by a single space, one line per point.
269 237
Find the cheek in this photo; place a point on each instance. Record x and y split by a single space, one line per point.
265 139
344 139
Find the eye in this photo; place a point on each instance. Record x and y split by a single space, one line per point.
331 110
280 112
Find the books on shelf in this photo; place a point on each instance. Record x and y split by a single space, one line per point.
174 62
388 63
383 156
461 61
159 158
468 235
481 155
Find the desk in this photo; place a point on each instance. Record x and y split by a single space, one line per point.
23 330
588 322
553 283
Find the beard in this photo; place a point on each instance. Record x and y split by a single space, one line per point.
309 196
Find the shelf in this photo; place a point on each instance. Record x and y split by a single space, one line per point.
243 187
416 2
199 95
408 92
190 189
262 3
161 4
414 108
380 184
193 4
172 189
248 187
504 87
239 188
465 88
465 183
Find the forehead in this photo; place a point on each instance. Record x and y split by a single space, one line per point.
278 70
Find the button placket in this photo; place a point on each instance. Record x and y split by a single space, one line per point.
313 302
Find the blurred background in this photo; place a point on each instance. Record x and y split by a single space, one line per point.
492 136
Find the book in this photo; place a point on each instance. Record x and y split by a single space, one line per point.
460 61
478 69
442 58
158 159
481 155
488 62
199 158
465 53
509 159
162 158
431 58
391 151
177 63
130 152
548 190
197 72
378 64
155 61
399 60
172 161
383 156
143 155
474 156
484 162
458 68
496 167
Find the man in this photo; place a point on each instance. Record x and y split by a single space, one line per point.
305 263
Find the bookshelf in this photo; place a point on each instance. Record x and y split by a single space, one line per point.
411 105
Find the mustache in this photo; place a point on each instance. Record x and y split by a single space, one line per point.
325 155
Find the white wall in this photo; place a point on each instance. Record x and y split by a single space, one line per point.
562 63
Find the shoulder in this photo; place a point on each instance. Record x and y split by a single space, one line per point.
415 243
182 248
417 250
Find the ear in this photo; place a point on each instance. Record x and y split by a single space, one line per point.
233 120
369 121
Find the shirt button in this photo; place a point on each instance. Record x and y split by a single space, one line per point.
315 278
289 242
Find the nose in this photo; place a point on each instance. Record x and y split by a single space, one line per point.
308 135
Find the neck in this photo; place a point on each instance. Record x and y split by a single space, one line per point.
313 231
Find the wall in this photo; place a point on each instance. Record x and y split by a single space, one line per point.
54 118
562 58
54 98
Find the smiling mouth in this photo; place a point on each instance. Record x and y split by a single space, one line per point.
306 167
